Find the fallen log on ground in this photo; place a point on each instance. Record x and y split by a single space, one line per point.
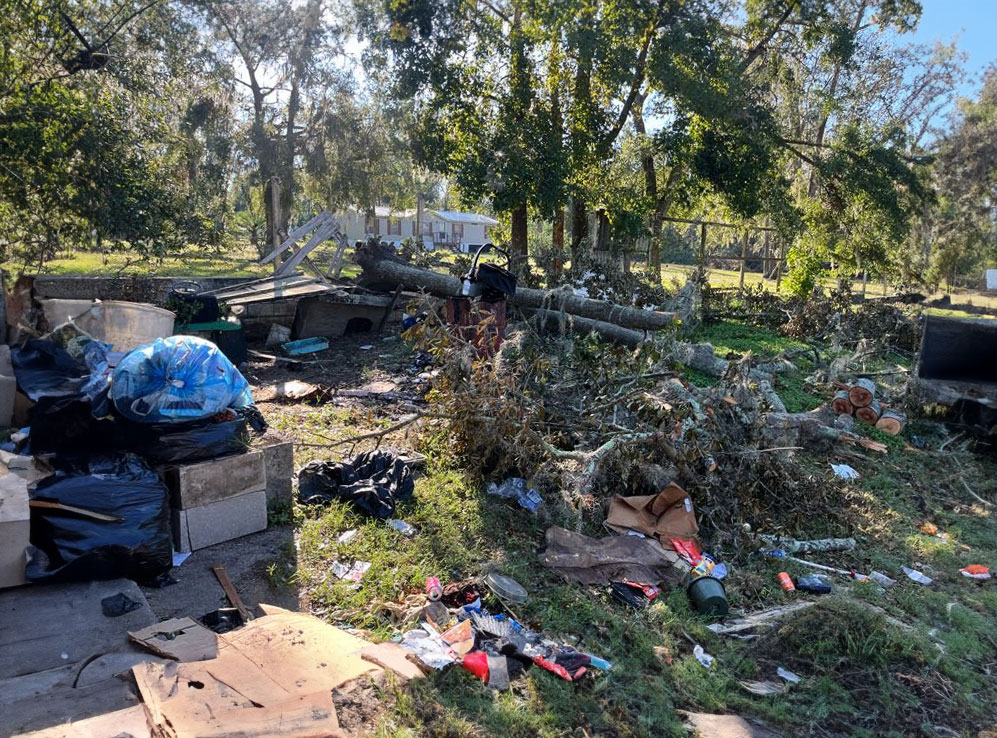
381 266
551 321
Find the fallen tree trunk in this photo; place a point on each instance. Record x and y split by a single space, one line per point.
551 321
380 266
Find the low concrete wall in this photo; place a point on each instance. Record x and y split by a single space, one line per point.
154 290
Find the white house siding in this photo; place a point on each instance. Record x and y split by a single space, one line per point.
354 225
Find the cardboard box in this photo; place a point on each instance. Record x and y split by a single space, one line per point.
205 482
15 529
205 525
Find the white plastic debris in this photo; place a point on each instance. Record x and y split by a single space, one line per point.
916 576
347 536
702 657
788 676
881 579
430 650
843 471
179 558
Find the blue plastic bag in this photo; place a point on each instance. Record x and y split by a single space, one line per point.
175 380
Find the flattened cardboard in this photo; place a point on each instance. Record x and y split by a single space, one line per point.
394 657
272 677
180 638
666 515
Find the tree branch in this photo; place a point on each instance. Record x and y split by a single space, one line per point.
635 86
759 48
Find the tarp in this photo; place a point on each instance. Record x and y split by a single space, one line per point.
599 561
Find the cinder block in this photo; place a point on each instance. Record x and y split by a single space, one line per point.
8 387
199 527
15 529
278 458
204 482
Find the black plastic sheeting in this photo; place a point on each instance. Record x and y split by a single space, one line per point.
71 546
66 425
44 369
373 482
175 443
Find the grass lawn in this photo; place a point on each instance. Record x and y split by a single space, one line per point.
874 663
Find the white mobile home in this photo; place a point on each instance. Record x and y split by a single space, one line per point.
436 228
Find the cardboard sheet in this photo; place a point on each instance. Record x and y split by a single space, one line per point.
273 676
666 515
182 639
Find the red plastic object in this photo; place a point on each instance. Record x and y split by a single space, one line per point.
557 669
476 662
687 549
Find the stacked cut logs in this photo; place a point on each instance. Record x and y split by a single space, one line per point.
859 399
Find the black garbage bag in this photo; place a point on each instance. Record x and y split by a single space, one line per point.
373 482
121 527
66 425
44 369
174 443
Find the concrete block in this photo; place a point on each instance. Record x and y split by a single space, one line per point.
278 458
204 482
8 387
15 529
199 527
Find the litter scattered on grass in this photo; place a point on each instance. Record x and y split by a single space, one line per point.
788 675
843 471
916 576
976 571
702 657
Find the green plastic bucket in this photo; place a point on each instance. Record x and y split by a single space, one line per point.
708 596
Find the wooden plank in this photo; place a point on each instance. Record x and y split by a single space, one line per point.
250 284
320 235
261 285
47 626
293 236
231 593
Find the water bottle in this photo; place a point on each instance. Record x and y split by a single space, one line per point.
402 527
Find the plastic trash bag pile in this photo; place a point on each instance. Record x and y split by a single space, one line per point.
107 417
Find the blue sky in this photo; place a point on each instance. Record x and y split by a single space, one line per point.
975 24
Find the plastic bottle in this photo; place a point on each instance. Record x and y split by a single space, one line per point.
402 527
786 582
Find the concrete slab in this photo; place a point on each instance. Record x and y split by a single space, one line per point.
255 563
43 626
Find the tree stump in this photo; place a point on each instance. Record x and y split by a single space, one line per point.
862 392
892 422
841 404
870 413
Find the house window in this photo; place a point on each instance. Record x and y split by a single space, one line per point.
370 225
457 232
394 226
427 228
